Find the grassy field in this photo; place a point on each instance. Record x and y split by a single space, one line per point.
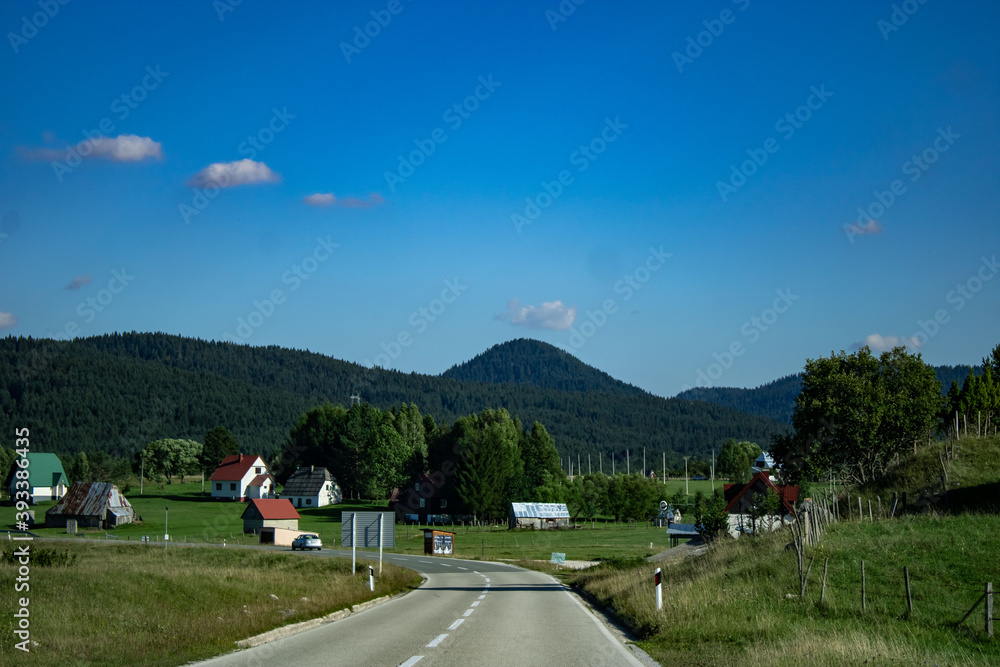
193 517
130 604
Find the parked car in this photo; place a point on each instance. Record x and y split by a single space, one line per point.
699 477
307 541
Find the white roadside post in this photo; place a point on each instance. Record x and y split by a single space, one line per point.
371 578
380 517
659 589
354 523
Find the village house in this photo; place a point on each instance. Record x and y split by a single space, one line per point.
424 501
91 505
46 478
269 513
740 497
242 476
312 487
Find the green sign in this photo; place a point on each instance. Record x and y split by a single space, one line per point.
558 558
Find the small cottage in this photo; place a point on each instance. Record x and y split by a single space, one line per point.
46 478
740 497
269 513
312 487
91 505
233 478
539 516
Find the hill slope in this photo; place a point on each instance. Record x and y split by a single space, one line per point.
116 392
533 363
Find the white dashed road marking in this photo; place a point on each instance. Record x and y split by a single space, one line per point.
437 640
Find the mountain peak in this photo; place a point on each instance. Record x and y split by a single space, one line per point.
529 362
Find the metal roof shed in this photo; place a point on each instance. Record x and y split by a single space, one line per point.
539 516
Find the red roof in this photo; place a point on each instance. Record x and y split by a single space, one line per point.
788 494
260 479
273 508
234 467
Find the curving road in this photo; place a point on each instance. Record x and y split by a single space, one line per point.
466 613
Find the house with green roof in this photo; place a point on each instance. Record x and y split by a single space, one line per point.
46 478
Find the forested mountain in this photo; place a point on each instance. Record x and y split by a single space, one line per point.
117 392
776 399
536 364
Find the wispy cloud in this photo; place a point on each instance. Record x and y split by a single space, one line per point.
79 282
231 174
328 199
123 148
7 320
871 227
879 343
549 315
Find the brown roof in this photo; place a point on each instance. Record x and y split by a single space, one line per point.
90 499
260 479
271 508
234 467
760 482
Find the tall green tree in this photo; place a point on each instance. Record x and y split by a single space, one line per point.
858 412
541 460
219 443
489 448
379 454
168 457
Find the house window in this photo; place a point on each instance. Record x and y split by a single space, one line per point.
421 502
218 486
444 503
259 470
232 487
309 501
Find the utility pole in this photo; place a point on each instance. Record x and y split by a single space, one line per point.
713 470
643 461
589 471
628 463
142 468
612 464
686 492
664 468
600 461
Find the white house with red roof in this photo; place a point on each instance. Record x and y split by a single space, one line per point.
242 476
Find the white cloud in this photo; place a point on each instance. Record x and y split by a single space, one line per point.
879 343
7 320
549 315
320 199
231 174
328 199
123 148
79 281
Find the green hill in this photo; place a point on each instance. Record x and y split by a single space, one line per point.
116 392
527 362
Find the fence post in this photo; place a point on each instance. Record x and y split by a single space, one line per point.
870 510
861 514
909 598
863 604
989 608
802 593
822 590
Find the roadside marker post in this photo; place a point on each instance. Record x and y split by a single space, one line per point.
371 578
353 541
380 518
659 589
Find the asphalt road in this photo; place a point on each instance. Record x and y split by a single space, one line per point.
467 613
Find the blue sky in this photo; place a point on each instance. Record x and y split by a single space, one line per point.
676 193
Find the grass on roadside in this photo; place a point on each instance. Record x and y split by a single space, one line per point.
729 607
120 604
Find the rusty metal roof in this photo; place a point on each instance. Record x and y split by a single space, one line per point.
90 499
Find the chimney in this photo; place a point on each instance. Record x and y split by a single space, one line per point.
241 457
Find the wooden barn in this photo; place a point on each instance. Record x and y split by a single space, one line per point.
539 516
91 505
269 513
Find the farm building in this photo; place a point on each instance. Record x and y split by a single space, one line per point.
91 505
538 515
312 487
233 478
46 478
269 513
740 497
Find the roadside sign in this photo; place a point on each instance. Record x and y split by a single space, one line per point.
558 558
